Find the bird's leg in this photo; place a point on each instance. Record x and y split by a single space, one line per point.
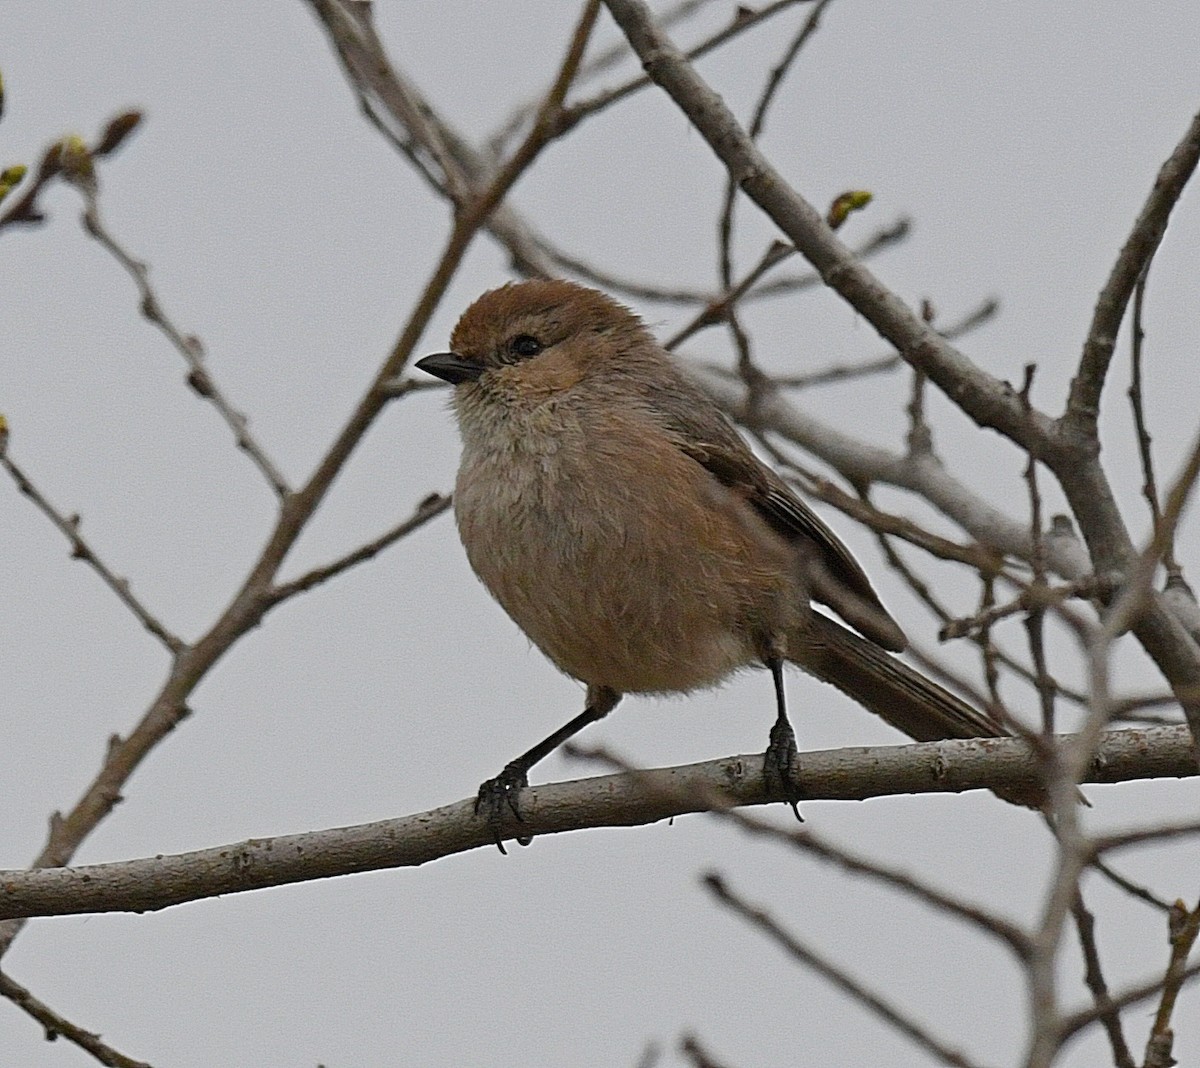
779 761
503 792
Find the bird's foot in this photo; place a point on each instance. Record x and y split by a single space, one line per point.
779 765
499 796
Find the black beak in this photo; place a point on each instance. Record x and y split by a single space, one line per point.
450 366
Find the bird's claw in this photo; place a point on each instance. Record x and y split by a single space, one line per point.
501 794
779 765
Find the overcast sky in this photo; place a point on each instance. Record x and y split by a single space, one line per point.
1021 139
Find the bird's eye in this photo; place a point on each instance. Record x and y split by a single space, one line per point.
524 346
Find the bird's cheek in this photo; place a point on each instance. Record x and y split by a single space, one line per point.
541 378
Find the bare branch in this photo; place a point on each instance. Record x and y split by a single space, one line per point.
743 20
766 98
199 377
1085 927
58 1026
1083 404
874 1003
987 400
430 507
623 800
69 527
1076 1022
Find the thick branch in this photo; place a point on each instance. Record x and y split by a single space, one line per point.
989 401
624 800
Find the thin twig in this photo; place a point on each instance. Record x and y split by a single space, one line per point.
409 109
880 241
69 527
758 121
1031 598
651 1055
806 840
742 21
694 1050
1035 619
834 974
1137 403
919 440
988 650
744 292
630 288
1083 404
430 507
25 211
778 251
603 60
1160 832
384 94
188 346
844 372
1093 975
58 1026
1134 890
1183 928
1077 1021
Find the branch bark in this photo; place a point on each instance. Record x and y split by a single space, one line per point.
623 800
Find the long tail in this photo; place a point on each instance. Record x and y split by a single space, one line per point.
892 690
886 686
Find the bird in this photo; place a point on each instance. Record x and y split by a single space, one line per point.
626 527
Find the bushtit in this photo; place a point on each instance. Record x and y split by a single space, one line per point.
630 532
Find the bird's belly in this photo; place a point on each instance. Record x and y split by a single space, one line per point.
634 603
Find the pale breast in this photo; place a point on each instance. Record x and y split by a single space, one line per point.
619 557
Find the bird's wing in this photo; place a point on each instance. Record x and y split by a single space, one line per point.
836 578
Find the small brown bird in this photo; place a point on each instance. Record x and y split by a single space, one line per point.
630 532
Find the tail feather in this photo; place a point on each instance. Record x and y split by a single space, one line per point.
892 690
886 686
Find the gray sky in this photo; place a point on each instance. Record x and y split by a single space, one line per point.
1021 138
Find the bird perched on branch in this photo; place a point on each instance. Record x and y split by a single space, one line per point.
629 531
